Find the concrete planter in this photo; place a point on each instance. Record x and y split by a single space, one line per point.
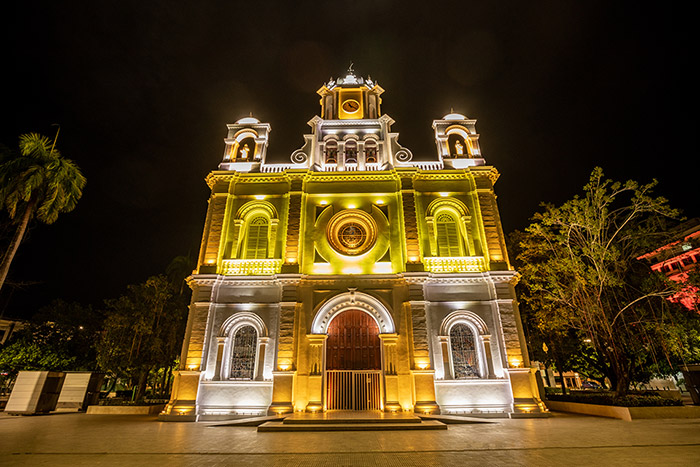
624 413
125 409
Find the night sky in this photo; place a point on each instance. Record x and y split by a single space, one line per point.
143 90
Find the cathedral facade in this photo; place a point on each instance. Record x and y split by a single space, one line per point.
353 277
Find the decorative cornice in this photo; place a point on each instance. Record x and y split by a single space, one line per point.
350 176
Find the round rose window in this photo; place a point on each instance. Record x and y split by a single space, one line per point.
352 232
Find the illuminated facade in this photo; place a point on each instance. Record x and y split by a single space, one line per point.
353 277
677 258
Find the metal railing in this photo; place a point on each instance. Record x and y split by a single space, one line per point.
353 390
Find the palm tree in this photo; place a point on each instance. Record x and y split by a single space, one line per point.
36 183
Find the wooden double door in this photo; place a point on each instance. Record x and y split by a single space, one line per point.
353 362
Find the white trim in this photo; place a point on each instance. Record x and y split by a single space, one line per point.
352 300
228 330
478 327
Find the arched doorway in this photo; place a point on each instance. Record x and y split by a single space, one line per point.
353 362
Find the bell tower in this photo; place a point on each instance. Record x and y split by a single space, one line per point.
350 98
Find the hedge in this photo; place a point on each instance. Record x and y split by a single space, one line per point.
644 399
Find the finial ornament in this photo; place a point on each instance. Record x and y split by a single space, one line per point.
350 70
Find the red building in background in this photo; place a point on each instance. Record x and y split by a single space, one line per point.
676 259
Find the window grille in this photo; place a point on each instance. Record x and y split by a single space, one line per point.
243 353
257 238
447 236
465 362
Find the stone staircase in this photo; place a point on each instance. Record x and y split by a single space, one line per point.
350 421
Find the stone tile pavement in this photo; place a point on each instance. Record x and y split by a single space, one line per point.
111 440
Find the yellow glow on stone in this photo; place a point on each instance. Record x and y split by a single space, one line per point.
380 201
322 268
515 362
351 206
352 270
323 202
382 268
422 364
444 195
260 197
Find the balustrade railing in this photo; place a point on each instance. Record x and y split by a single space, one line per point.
250 267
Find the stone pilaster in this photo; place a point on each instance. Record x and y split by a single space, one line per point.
410 223
419 330
292 251
285 349
391 380
317 357
212 232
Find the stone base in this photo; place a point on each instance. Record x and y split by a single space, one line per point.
280 408
313 407
427 407
176 418
625 413
392 407
125 409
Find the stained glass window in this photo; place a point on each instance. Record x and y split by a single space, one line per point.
465 361
352 235
243 353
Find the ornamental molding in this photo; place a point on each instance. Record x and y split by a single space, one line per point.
352 300
369 279
215 177
351 232
487 171
263 178
350 176
440 175
365 122
463 316
501 277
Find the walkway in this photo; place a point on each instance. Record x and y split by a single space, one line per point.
117 440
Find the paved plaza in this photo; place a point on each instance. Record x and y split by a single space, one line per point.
80 439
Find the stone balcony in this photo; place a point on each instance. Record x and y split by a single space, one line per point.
455 263
250 267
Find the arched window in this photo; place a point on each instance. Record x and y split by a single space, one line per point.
465 360
448 241
331 152
257 238
351 152
245 341
370 151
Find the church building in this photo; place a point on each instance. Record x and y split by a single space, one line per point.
354 276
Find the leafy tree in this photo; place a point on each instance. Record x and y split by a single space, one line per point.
178 270
581 274
143 331
36 183
61 337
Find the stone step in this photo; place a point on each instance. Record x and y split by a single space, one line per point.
353 426
348 420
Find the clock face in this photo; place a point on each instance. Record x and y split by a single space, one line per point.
351 106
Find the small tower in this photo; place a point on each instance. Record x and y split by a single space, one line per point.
246 145
457 141
350 98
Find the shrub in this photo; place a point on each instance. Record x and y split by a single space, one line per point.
641 399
